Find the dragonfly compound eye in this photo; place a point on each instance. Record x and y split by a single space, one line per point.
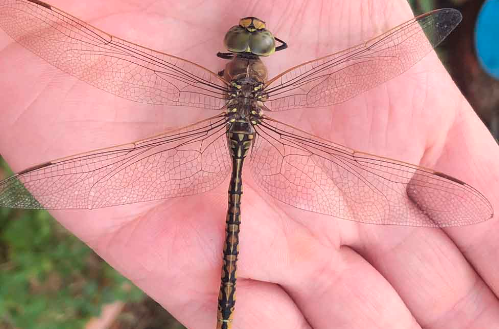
250 36
262 43
237 39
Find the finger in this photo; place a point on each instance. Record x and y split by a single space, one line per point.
471 154
265 305
177 262
332 287
427 269
167 251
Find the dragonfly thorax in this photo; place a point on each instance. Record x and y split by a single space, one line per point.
244 101
245 66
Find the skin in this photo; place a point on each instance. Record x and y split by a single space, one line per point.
296 269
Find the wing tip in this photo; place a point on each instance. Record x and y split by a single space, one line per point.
447 19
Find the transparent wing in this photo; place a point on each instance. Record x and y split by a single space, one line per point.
338 77
188 161
107 62
319 176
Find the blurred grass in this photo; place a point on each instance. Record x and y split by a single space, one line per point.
422 6
50 279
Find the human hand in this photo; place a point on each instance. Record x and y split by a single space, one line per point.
296 269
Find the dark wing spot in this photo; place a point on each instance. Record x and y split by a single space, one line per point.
41 3
43 165
455 180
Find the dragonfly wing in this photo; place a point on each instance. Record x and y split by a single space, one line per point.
338 77
109 63
191 160
306 172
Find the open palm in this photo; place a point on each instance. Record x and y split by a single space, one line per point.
297 269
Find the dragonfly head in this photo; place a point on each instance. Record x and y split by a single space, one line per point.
250 36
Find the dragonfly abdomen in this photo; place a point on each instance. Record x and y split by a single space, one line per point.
240 136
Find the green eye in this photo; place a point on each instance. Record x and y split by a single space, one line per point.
262 43
237 39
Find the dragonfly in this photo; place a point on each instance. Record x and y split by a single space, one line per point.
289 164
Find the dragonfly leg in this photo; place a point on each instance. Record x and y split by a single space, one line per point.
283 45
225 55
